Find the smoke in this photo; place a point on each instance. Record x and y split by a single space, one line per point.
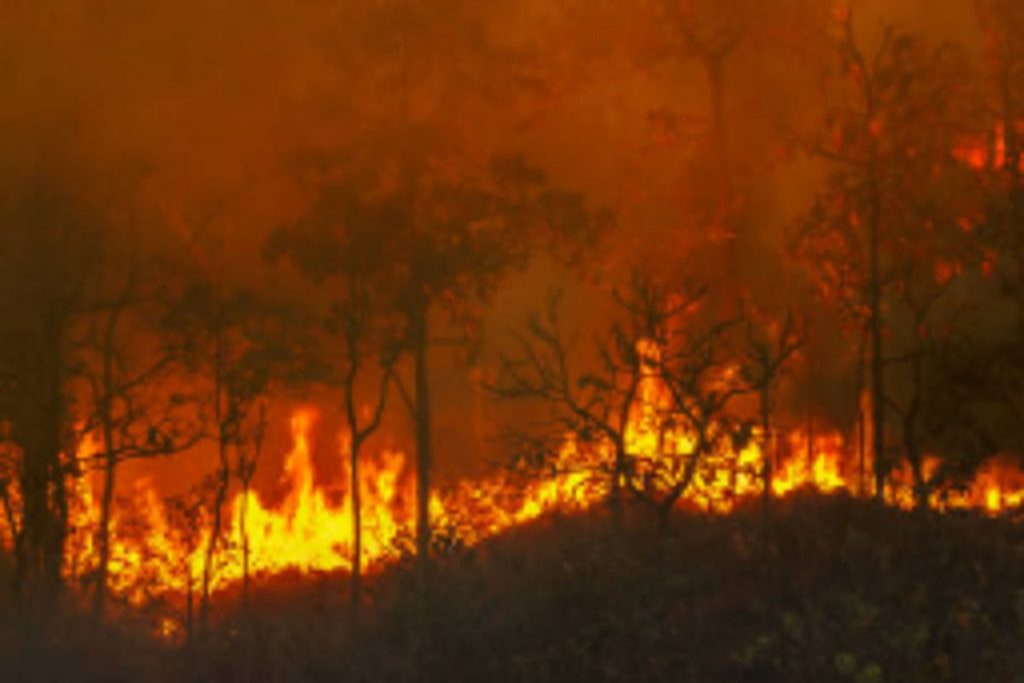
171 107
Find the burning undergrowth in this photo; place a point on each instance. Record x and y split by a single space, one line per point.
158 545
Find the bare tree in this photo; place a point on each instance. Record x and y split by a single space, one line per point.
238 341
768 350
933 317
697 364
338 245
656 346
355 331
136 408
594 406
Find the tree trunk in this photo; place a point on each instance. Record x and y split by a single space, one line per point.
39 547
40 555
615 503
357 525
34 482
920 485
109 466
55 421
223 480
424 453
767 450
916 461
877 367
861 418
243 529
106 502
910 439
41 479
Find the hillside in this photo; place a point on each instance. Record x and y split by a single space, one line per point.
824 589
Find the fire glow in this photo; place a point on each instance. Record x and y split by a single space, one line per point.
155 550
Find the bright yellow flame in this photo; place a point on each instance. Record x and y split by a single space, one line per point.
159 549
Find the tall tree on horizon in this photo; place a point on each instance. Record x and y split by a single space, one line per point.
50 245
895 114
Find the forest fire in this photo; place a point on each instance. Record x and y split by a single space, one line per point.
512 340
159 551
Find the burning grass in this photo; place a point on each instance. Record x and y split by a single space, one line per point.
158 545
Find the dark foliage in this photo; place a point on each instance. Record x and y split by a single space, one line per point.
824 589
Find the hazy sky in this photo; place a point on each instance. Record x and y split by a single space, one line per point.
193 103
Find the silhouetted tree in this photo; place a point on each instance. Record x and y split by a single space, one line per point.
50 244
455 247
897 114
1002 228
768 350
660 371
339 244
129 382
238 342
937 296
138 407
440 248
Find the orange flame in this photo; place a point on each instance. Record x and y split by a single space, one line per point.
158 547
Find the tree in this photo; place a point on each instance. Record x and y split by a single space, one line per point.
134 403
250 448
656 401
1002 226
937 293
892 125
463 214
238 341
594 407
457 245
697 364
338 245
768 350
439 243
9 499
50 245
922 348
185 517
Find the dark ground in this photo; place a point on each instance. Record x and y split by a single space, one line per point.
824 589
